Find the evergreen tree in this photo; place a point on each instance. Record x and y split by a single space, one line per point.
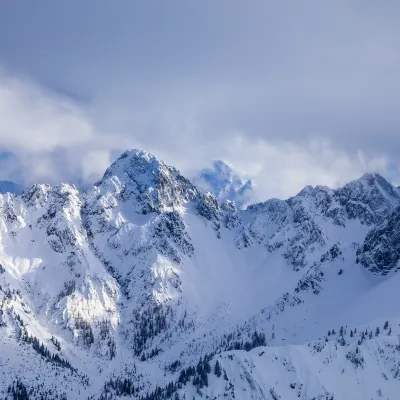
386 325
217 369
225 375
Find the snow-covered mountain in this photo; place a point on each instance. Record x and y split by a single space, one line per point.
225 183
145 287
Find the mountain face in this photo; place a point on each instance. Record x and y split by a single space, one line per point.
223 182
145 287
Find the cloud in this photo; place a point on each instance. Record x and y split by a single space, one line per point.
36 126
53 139
291 93
34 120
283 169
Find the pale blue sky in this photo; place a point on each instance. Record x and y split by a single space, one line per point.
194 80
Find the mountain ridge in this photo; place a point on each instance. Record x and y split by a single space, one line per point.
127 286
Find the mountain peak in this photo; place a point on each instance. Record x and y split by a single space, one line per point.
139 166
372 193
134 160
222 167
154 185
372 178
371 181
226 183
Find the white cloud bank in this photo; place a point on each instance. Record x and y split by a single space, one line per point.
53 138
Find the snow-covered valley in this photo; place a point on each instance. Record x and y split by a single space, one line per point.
145 287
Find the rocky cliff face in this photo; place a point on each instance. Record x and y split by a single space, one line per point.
380 252
140 284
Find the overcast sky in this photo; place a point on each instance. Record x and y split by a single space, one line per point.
293 93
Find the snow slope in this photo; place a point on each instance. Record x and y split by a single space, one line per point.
136 287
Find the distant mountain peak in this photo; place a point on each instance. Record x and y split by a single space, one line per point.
225 182
223 167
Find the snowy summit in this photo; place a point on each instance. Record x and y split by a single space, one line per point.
224 182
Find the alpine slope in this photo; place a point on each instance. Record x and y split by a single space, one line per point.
144 286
